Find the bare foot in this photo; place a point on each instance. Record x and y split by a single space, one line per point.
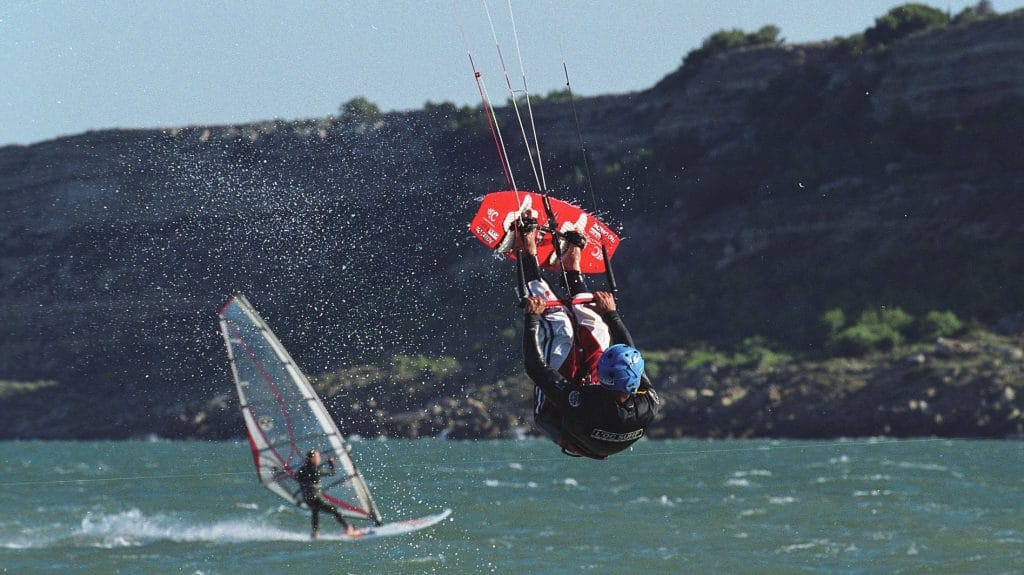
528 239
571 258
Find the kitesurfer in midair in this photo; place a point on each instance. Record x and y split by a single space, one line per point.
308 477
592 396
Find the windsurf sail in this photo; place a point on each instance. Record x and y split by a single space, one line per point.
284 417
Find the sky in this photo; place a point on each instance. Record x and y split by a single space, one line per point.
71 66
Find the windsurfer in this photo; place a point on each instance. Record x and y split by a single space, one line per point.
308 477
591 394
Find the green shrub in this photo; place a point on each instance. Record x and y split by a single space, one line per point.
863 338
895 318
422 367
552 97
359 109
981 11
511 334
937 324
467 121
467 134
833 320
853 45
726 40
753 352
875 330
652 368
903 21
440 109
9 389
701 358
756 352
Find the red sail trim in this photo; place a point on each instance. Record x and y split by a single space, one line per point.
344 504
277 395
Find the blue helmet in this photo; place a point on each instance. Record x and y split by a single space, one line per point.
620 368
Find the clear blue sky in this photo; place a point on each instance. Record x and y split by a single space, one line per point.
71 66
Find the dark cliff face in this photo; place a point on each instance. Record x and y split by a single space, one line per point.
746 212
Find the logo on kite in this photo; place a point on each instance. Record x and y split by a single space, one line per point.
266 423
492 215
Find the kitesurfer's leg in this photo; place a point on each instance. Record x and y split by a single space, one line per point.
556 326
527 250
573 277
526 242
314 507
592 335
337 514
349 529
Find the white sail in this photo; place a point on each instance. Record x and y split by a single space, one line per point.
284 417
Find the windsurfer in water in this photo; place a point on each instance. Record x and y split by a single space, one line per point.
308 477
592 397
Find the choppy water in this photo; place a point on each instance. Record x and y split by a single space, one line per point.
923 506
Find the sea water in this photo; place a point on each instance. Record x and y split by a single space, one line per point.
854 506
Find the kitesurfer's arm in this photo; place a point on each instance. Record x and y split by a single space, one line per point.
550 381
604 304
647 402
328 468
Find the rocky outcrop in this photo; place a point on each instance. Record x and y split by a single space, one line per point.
955 71
956 389
972 393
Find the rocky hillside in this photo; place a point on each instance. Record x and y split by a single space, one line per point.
756 191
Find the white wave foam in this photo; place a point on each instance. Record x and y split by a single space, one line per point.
23 543
803 546
133 528
512 484
752 473
918 466
439 558
872 493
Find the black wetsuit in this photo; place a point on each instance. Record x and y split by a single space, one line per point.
588 419
308 477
